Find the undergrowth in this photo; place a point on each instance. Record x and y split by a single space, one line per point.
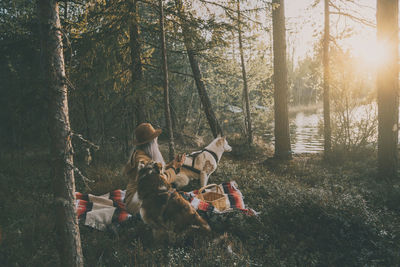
312 213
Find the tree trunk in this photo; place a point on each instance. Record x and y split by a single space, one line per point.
65 11
166 93
282 136
387 85
61 148
327 115
187 113
136 64
205 100
245 88
197 132
125 119
86 116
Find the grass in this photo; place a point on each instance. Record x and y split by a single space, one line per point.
312 213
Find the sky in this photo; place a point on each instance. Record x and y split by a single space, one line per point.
304 24
307 21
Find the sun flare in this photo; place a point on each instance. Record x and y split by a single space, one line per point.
370 52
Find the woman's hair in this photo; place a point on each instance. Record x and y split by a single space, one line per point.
151 149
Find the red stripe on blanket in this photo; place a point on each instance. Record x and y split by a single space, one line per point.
82 207
204 206
234 195
123 216
117 195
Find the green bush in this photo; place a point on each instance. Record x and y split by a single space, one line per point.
311 214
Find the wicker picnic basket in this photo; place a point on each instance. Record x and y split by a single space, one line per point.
217 199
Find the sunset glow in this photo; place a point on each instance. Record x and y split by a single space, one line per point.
370 51
361 40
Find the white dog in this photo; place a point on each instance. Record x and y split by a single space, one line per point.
201 164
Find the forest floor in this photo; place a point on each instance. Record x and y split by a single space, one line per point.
312 212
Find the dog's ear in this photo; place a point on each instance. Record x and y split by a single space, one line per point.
220 142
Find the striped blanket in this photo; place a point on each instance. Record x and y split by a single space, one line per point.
100 211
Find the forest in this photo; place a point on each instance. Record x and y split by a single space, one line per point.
306 93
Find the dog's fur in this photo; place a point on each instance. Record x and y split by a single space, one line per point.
162 207
204 162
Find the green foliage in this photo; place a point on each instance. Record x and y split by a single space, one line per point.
102 96
306 82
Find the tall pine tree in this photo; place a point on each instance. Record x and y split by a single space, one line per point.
282 136
387 85
67 228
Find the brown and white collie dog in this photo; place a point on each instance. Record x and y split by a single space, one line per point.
164 209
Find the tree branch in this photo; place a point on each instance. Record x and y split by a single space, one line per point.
354 18
96 147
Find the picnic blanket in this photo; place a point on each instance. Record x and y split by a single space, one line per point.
100 211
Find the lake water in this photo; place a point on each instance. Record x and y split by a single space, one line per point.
305 134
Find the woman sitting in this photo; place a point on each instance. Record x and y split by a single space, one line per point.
146 150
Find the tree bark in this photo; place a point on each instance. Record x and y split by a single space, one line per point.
65 11
282 136
387 85
166 93
136 64
86 116
69 243
245 87
194 64
327 115
187 113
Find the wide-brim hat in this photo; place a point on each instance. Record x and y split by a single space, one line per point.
144 133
